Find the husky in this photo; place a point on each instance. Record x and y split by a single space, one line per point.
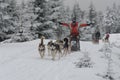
66 46
49 47
55 49
41 47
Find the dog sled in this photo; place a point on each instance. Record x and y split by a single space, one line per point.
75 44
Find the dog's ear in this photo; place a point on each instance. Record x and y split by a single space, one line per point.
64 39
51 41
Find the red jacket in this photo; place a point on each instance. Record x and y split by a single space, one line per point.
74 28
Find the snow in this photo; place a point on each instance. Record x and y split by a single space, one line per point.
6 17
3 5
21 61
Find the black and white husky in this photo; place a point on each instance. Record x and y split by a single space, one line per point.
55 49
66 46
41 47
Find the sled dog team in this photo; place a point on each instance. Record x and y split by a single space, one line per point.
58 47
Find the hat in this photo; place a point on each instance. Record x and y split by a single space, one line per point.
74 20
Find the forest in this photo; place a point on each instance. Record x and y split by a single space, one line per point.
32 19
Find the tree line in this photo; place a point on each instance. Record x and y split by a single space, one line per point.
30 20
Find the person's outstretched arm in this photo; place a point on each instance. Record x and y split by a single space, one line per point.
84 25
64 24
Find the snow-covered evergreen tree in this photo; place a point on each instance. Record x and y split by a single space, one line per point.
63 16
68 14
85 61
3 20
13 14
111 19
107 20
25 30
100 23
43 23
92 18
118 16
29 21
89 17
67 19
57 13
77 13
92 15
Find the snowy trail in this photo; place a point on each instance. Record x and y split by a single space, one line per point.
21 61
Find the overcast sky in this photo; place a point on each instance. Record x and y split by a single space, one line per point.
99 4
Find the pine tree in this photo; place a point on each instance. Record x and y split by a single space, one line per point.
43 23
77 13
107 20
118 28
110 19
92 15
100 18
31 19
19 29
13 14
115 18
3 20
58 14
68 14
25 29
67 19
85 61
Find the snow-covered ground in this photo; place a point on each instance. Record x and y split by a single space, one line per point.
21 61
